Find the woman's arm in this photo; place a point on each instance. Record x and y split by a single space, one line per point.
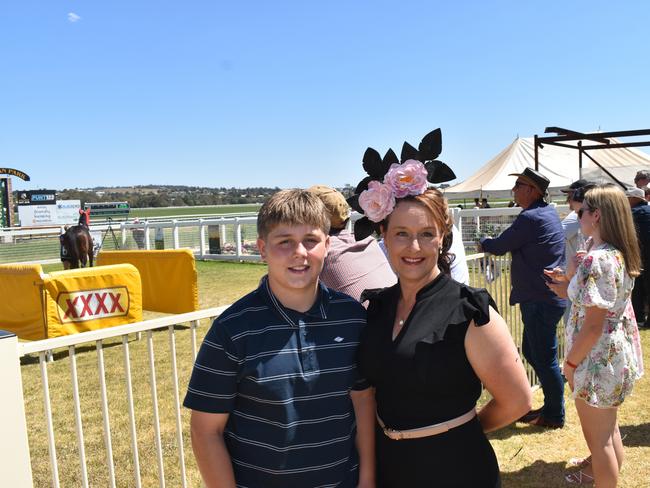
363 402
494 357
585 341
210 449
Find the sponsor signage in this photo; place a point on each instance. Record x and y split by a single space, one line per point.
53 212
34 215
67 211
83 305
37 197
14 172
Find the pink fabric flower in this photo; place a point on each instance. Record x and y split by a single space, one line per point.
409 178
377 201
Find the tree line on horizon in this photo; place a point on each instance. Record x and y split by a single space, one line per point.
148 196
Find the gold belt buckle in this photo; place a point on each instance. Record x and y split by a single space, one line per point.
399 435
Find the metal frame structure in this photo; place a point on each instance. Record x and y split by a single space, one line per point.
602 138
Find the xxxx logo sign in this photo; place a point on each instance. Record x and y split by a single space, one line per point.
79 306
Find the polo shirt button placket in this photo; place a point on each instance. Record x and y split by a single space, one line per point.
306 356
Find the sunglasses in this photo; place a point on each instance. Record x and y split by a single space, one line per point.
521 183
581 211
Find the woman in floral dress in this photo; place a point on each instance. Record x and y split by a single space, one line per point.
603 357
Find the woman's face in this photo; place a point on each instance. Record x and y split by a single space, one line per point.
413 242
588 219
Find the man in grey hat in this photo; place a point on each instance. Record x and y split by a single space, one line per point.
536 241
641 216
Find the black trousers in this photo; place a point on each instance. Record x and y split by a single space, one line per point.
640 297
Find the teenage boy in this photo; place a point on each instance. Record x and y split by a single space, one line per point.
274 391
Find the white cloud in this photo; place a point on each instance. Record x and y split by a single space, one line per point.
72 17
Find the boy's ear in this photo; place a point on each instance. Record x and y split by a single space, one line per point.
327 245
261 246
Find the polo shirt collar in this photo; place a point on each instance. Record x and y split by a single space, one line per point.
318 310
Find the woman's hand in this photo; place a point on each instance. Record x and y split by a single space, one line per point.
568 374
560 289
556 274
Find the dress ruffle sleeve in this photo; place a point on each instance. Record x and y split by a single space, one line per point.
599 277
471 304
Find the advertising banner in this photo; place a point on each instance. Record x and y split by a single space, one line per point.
34 215
67 211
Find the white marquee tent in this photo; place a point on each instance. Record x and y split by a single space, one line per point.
558 164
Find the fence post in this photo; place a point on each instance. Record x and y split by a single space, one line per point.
222 232
15 465
177 242
237 237
202 238
123 231
147 239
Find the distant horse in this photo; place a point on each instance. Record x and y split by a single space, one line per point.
76 247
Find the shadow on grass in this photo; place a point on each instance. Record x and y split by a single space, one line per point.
515 430
636 435
108 343
540 473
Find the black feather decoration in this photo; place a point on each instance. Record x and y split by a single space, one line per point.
389 158
363 185
438 172
363 228
353 201
431 145
409 152
373 164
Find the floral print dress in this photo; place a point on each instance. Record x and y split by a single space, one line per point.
606 376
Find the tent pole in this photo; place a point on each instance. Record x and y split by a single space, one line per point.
580 159
536 154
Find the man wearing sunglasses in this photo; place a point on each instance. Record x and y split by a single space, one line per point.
536 241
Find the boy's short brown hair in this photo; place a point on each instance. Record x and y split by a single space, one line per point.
292 207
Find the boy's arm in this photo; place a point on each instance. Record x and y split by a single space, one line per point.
210 450
363 402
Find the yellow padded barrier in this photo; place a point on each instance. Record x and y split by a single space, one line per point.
38 306
85 299
169 280
21 301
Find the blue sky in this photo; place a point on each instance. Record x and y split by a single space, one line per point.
290 93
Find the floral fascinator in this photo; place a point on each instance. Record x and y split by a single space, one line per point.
389 179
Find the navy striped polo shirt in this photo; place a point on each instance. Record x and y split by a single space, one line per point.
284 377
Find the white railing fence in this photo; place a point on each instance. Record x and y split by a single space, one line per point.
106 412
223 238
493 273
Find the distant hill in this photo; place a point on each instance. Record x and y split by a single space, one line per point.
168 195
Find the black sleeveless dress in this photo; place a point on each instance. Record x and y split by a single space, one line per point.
423 377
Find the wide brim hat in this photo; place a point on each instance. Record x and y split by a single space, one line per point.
335 203
635 193
534 178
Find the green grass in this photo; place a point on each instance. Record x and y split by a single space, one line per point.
214 210
528 456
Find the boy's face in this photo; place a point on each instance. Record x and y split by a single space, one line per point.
295 255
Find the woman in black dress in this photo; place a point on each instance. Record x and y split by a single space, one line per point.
429 344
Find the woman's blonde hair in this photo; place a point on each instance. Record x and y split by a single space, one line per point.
616 224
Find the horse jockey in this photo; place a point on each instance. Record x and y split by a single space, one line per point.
84 217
